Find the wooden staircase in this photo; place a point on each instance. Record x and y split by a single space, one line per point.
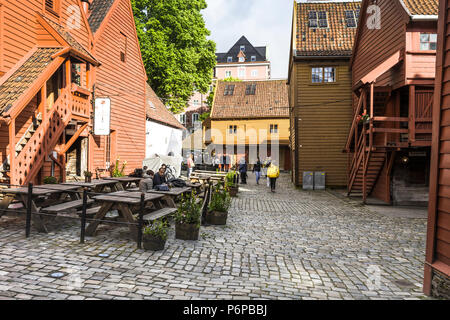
36 144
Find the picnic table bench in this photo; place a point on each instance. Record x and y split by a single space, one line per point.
170 196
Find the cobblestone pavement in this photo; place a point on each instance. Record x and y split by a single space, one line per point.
288 245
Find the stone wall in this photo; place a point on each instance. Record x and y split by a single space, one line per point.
440 286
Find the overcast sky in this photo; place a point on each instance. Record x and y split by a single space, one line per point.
263 22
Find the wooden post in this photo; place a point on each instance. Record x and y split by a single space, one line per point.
83 216
412 113
141 221
12 152
29 204
364 164
371 99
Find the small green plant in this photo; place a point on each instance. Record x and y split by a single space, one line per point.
220 200
50 180
189 211
88 174
157 229
231 179
118 170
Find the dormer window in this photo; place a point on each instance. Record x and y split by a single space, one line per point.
241 59
243 48
230 59
229 90
323 21
318 19
350 18
251 89
253 58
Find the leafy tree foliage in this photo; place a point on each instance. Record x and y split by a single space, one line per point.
177 55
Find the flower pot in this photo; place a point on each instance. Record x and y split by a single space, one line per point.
216 218
153 243
186 231
233 191
87 179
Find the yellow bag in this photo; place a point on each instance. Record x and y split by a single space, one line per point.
273 172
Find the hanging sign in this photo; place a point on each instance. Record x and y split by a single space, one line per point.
102 116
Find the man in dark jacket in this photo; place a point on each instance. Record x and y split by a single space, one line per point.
160 177
257 170
243 170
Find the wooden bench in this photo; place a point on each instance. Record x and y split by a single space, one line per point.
90 212
133 189
161 213
66 206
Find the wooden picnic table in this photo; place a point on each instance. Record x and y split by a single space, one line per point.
21 195
125 202
123 183
97 186
210 172
170 196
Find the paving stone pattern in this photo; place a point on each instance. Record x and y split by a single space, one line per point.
288 245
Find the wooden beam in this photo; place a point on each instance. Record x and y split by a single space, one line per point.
12 150
382 68
412 113
72 140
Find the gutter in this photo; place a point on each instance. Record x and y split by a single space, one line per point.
424 17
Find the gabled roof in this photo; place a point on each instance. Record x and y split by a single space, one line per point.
158 112
269 101
250 50
24 77
336 40
421 7
99 10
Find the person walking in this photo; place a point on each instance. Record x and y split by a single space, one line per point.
257 170
190 165
273 172
243 170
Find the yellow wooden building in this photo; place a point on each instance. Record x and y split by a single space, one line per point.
251 118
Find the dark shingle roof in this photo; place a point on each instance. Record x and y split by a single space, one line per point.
336 40
99 10
422 7
158 112
269 101
24 77
250 50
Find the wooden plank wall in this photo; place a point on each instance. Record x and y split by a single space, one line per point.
438 236
324 115
375 46
124 83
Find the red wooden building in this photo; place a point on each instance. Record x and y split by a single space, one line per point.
393 71
55 55
437 264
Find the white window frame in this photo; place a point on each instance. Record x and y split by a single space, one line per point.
255 73
195 115
228 74
182 118
242 48
242 72
241 59
253 58
428 42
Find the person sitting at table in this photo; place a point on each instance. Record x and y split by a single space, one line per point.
160 177
146 184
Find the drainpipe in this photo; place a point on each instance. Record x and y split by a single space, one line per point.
86 4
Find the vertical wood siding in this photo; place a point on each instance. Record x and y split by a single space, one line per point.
375 46
124 82
324 114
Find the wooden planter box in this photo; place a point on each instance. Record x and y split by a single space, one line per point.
153 243
233 191
186 231
216 218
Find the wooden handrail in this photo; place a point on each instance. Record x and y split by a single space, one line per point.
355 121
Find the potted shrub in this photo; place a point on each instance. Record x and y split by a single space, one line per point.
155 236
87 176
218 207
50 180
231 183
187 218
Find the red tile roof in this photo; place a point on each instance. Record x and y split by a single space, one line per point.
422 7
269 101
158 112
336 40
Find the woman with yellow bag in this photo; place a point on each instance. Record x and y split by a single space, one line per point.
273 172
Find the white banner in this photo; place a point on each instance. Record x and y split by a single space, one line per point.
102 116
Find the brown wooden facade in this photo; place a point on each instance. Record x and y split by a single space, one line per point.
320 113
393 83
437 262
50 71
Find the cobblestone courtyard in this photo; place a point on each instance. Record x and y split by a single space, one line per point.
288 245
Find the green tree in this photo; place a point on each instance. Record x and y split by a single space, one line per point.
177 55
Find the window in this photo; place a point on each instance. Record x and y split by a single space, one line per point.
273 128
232 129
251 89
230 59
195 117
227 74
350 18
428 41
323 75
123 47
241 73
253 58
255 73
52 6
196 102
183 118
241 59
229 90
242 48
318 19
